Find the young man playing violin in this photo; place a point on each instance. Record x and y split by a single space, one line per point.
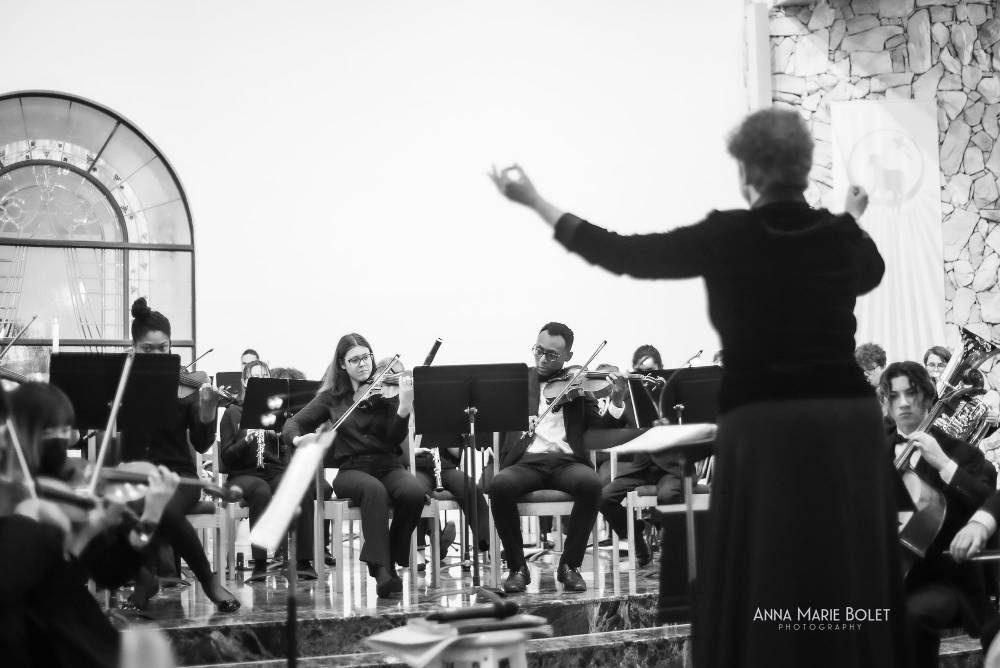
940 592
552 458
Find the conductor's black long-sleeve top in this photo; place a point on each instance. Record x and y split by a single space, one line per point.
782 280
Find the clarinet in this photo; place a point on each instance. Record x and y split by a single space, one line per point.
259 435
436 454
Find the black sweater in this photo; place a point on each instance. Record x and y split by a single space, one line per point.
370 430
237 457
782 280
170 446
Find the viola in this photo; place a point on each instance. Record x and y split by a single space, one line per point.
192 381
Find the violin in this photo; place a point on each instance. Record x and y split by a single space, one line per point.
387 387
590 384
192 381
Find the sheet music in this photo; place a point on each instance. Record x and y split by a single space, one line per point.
273 524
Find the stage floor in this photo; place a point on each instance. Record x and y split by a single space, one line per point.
332 623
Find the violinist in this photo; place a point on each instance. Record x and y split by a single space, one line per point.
49 549
171 447
255 459
552 458
366 451
940 592
664 471
249 355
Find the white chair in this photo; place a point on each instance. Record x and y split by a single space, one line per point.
211 517
536 504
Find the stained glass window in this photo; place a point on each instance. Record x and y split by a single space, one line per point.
91 216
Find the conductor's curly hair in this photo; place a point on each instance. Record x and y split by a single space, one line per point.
775 148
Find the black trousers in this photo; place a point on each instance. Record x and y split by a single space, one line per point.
668 490
454 481
546 471
376 485
257 493
929 610
175 530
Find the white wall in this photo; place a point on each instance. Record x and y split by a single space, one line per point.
334 155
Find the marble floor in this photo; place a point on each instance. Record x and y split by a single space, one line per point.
187 606
337 624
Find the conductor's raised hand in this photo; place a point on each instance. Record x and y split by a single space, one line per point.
856 201
515 185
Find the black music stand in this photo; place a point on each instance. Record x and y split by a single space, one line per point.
260 395
91 379
231 381
465 398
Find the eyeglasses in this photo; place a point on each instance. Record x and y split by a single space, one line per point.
358 360
64 433
549 355
936 365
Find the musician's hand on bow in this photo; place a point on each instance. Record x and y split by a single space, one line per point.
305 439
930 449
162 484
969 541
856 201
405 394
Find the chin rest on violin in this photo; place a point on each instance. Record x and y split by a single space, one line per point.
388 387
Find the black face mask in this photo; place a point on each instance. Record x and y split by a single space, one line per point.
52 457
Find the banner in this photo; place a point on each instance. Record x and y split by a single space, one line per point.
891 149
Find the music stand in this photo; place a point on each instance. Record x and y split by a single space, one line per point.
229 380
90 381
465 398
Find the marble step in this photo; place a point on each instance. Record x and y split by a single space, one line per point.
324 634
960 652
659 646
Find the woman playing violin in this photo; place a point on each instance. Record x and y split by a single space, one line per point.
255 459
50 548
170 447
366 450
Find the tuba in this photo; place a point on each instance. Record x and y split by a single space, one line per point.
964 418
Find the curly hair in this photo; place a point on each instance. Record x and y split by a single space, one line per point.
869 355
775 148
919 379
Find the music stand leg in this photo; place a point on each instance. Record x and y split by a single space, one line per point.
473 506
291 604
689 527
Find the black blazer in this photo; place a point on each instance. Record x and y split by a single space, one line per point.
579 415
974 481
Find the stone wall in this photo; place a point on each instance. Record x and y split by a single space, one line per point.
947 50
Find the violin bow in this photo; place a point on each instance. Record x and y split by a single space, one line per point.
583 370
106 439
29 480
17 336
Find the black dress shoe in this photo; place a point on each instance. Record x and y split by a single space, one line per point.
328 558
304 569
571 578
227 605
388 586
517 581
643 555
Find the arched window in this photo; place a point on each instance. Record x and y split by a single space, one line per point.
92 216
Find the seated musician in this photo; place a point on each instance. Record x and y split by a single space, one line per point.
940 593
871 358
171 447
255 460
366 451
646 358
249 355
453 480
554 458
49 548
